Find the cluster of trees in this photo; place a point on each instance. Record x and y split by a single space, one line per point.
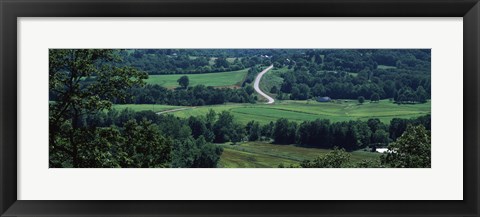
411 150
179 61
401 85
252 73
189 146
349 74
350 135
191 96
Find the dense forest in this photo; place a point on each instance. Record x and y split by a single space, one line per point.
85 131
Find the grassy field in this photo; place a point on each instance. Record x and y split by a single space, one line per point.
219 79
265 155
386 67
310 110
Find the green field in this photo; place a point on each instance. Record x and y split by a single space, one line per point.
386 67
310 110
264 155
218 79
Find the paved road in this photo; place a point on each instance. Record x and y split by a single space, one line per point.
257 82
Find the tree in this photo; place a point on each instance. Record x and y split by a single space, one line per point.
374 124
411 150
183 81
422 95
221 63
338 158
226 129
146 148
361 99
300 92
197 125
83 81
380 137
318 90
274 89
284 131
253 131
191 153
375 97
249 90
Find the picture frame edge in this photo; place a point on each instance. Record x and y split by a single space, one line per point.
10 206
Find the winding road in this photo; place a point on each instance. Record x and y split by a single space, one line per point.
257 82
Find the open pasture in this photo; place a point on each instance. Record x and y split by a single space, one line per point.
218 79
310 110
266 155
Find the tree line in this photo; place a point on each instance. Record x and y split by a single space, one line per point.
198 95
411 150
161 61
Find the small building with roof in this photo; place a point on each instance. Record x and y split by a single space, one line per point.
324 99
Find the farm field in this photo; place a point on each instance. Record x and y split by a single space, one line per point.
310 110
299 110
217 79
265 155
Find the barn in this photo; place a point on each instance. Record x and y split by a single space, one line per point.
324 99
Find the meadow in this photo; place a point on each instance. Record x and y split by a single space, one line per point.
218 79
299 111
310 110
266 155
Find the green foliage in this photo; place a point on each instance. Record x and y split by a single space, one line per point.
81 82
193 96
226 129
380 137
411 150
183 81
284 131
375 97
191 153
253 131
338 158
144 145
361 99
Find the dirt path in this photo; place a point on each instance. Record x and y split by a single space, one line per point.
174 110
257 88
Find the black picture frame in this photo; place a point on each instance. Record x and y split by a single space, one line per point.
10 10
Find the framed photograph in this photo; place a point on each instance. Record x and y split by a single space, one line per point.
239 108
